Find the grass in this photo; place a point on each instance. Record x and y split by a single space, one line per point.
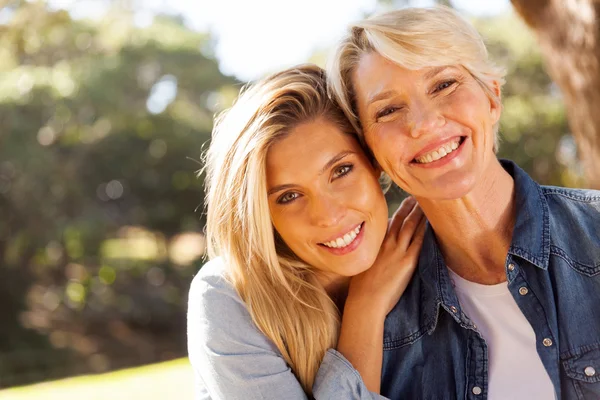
168 380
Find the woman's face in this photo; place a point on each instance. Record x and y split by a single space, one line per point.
431 129
325 199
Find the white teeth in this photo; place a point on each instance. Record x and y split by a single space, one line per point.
442 152
344 240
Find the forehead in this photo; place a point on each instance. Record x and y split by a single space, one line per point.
374 71
375 74
307 148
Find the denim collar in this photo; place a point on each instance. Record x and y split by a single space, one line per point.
531 242
531 235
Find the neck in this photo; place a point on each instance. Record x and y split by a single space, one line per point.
336 287
475 231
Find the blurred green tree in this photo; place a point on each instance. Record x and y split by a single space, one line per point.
569 38
533 127
102 125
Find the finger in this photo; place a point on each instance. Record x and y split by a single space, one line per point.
417 240
409 227
400 214
410 259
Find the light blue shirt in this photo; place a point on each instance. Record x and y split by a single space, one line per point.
232 359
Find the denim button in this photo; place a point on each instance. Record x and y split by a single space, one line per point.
523 291
547 342
476 390
511 267
590 371
454 309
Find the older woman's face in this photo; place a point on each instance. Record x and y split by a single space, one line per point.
431 130
325 199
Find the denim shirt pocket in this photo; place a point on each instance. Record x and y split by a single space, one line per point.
582 366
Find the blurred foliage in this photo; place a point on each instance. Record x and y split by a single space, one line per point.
534 129
102 127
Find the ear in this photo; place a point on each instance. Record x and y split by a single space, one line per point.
495 104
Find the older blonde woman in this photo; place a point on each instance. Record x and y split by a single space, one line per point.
504 303
294 210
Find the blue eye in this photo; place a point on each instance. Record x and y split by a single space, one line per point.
444 85
287 197
342 170
386 111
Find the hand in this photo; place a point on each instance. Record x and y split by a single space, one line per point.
373 293
379 288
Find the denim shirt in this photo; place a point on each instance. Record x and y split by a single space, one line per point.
432 350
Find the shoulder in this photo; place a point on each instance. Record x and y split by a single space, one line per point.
580 205
213 296
212 276
569 195
231 357
574 224
217 316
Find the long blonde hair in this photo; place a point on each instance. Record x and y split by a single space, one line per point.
281 292
413 38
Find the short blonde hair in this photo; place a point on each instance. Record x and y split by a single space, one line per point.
282 294
413 38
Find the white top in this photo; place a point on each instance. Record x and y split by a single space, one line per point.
515 369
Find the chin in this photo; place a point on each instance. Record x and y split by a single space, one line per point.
450 189
359 265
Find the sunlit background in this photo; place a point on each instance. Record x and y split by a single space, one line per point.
105 107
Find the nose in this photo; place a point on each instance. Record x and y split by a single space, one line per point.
327 210
425 118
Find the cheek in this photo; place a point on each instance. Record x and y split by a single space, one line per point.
289 226
379 152
474 109
390 149
379 215
369 197
386 142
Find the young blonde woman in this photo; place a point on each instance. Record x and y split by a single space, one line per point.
505 301
298 231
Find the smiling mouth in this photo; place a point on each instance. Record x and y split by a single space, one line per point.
344 240
443 151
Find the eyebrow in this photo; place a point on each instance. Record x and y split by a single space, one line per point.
380 96
434 71
340 156
389 93
334 160
279 188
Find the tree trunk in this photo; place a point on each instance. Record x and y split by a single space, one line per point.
569 36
